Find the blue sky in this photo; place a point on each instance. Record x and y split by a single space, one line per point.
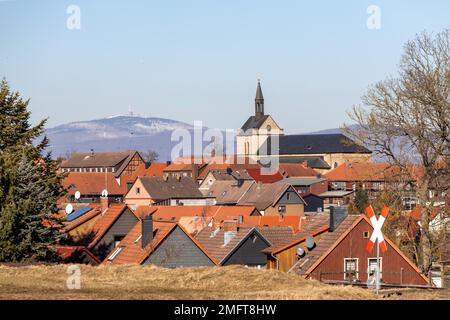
199 60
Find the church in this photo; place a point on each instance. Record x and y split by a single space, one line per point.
260 136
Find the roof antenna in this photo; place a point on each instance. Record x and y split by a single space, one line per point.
130 112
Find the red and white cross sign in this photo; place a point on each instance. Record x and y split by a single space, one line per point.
377 224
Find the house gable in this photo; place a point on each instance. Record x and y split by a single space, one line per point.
119 228
248 251
177 249
352 244
290 196
137 192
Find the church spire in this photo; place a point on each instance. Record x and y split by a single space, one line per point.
259 102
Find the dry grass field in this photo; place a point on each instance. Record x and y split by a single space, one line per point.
138 282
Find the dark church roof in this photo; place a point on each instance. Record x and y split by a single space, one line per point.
313 162
254 123
317 144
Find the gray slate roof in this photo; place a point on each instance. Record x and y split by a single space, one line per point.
159 189
317 144
254 123
263 195
313 162
100 159
301 181
227 191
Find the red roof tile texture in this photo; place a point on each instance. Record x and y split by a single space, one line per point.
105 222
132 252
290 170
93 183
174 213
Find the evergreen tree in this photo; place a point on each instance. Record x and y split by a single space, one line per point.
361 200
30 185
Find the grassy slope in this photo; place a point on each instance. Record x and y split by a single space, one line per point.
136 282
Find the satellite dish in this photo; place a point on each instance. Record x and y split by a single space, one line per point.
310 242
104 193
77 195
69 208
300 251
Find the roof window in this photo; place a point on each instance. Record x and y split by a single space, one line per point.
115 253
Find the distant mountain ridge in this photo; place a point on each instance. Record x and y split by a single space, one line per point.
115 133
124 132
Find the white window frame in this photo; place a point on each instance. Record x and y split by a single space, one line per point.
381 265
115 253
357 267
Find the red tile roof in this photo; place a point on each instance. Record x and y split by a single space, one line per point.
156 169
105 222
174 213
359 171
415 213
290 170
66 252
133 253
258 176
93 183
273 221
179 167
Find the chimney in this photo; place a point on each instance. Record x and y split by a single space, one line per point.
230 228
104 202
147 230
92 152
230 225
194 171
337 215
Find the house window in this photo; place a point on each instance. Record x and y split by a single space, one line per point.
351 269
372 266
335 165
281 209
138 190
366 234
288 196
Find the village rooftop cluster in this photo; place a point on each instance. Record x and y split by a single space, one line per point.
122 210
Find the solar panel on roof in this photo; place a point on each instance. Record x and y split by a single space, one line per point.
78 213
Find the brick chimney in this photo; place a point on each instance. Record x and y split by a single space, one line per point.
104 202
147 230
230 225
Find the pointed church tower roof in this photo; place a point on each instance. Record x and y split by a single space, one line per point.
259 94
259 102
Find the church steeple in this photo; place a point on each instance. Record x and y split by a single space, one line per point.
259 102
